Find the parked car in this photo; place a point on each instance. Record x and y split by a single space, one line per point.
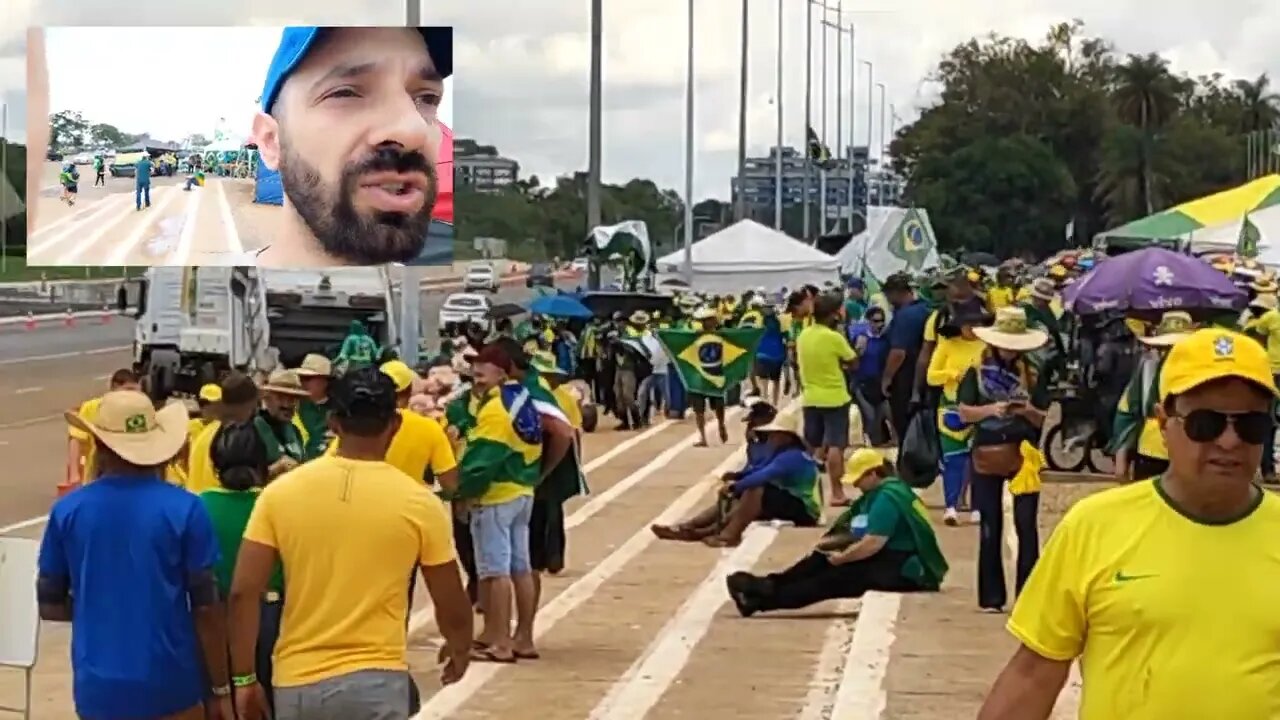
481 276
84 158
540 275
464 307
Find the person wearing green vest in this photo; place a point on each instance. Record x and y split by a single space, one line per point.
884 542
1136 438
240 463
358 348
99 170
280 396
312 418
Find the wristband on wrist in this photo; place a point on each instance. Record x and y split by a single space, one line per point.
242 681
221 691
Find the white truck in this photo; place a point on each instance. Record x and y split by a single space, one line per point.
195 324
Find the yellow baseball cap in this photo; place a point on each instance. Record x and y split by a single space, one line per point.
401 374
211 393
1213 354
861 462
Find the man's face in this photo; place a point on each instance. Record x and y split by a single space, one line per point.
487 375
136 387
959 290
280 406
1194 449
354 134
317 387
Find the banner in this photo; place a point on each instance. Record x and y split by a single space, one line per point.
711 362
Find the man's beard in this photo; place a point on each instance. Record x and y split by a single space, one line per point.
330 213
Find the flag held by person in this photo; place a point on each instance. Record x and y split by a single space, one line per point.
818 151
709 363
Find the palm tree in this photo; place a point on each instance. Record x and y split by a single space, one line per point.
1147 96
1260 106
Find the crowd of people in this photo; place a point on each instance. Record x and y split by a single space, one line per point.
187 550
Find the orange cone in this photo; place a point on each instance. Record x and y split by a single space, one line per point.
31 320
70 319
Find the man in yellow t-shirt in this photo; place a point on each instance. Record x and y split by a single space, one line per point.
823 354
420 447
209 400
239 404
80 449
344 629
1164 589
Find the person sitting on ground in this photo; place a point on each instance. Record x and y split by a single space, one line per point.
884 541
783 487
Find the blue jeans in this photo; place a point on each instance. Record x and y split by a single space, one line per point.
500 534
141 192
268 634
653 394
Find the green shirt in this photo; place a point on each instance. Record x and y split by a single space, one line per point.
229 510
314 417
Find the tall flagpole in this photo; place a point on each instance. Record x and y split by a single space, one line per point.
740 208
871 107
594 132
410 276
688 157
808 107
853 124
840 152
777 187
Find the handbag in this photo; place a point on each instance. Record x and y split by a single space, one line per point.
997 460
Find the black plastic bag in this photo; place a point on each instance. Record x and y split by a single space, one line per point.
920 451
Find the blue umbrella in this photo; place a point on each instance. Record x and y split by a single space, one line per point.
560 306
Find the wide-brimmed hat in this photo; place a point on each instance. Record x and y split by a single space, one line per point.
129 425
704 313
1264 301
788 423
1011 332
315 365
639 317
545 363
285 382
1174 326
861 462
1044 289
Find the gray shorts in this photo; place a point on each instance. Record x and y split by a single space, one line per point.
361 695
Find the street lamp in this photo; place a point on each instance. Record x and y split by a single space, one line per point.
740 207
880 163
808 96
871 83
777 189
688 156
840 146
594 133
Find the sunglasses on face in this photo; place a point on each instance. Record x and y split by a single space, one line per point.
1204 426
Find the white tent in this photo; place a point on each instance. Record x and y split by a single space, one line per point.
748 255
896 239
1225 236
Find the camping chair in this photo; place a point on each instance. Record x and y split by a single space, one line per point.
20 623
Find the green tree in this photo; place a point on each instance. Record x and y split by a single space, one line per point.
68 130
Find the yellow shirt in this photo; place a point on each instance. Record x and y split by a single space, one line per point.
346 590
194 427
1268 326
88 412
568 403
1171 619
999 297
819 353
931 328
200 473
950 361
419 444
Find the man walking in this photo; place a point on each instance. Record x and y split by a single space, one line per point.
99 168
142 182
823 355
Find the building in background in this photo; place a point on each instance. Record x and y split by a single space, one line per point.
481 168
759 180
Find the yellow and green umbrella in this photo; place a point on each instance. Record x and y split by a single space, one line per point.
1177 222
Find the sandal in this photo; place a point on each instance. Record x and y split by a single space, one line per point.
522 655
717 541
486 654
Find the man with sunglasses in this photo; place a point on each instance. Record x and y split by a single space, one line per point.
1165 590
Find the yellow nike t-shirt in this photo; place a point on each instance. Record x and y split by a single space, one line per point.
349 533
1171 618
88 413
420 444
200 473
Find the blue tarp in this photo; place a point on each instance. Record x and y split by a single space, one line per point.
268 190
559 306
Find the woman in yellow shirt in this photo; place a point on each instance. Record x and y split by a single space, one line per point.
947 367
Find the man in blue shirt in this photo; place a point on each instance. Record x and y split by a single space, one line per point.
142 182
906 338
771 354
129 559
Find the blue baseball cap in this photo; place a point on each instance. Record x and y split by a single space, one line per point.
295 42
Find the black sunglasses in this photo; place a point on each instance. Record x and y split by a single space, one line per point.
1204 426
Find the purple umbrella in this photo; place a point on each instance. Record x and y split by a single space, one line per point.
1153 279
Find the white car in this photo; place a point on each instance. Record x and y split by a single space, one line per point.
480 277
84 159
465 307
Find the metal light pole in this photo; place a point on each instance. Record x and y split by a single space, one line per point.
4 181
853 124
1248 157
777 186
688 158
594 133
413 13
871 86
822 171
740 207
880 164
808 108
411 276
840 145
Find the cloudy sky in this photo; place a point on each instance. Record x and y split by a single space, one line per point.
522 67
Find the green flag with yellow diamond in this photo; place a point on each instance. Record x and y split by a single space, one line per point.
710 363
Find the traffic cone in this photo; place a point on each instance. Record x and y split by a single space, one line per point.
31 320
106 315
70 319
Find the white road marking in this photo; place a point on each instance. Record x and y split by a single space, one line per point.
36 250
643 684
234 244
22 525
446 702
819 704
120 253
25 390
77 215
862 695
59 356
187 237
94 239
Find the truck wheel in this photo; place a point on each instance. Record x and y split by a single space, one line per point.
162 372
589 418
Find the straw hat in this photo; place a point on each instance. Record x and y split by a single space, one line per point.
704 313
1044 289
1010 332
128 424
285 382
784 423
1265 286
861 462
315 365
639 317
1264 301
1174 326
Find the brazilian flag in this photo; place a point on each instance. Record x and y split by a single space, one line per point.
711 362
1250 237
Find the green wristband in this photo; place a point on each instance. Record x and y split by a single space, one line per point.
243 681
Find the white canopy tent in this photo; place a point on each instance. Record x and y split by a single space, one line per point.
748 255
1225 237
896 239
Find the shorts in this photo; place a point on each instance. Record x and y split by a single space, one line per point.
360 695
73 188
778 504
768 369
546 535
500 535
699 403
827 427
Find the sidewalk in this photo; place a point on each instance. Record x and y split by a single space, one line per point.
948 653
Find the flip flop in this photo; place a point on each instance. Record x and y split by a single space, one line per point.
716 541
487 655
519 655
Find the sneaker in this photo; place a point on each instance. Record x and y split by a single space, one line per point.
950 518
993 610
975 517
